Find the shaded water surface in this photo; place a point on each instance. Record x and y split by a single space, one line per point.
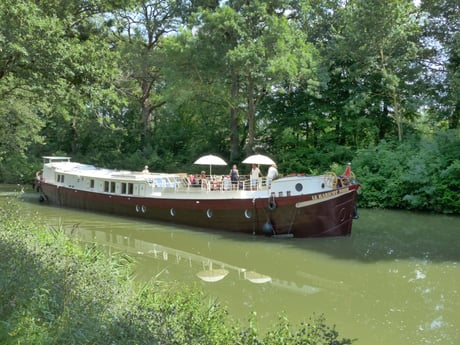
396 280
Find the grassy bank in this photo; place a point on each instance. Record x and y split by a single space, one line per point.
55 291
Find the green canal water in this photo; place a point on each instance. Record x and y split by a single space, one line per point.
396 280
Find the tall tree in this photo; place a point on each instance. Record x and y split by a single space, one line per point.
442 38
141 28
58 61
197 80
256 50
272 55
373 62
26 43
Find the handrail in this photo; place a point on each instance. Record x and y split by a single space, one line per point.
212 184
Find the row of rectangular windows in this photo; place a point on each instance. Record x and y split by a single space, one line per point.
109 187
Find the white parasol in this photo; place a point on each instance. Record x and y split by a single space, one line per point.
259 159
210 160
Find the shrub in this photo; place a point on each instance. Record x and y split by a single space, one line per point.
417 174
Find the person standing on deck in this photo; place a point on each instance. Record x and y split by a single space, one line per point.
234 176
271 174
254 177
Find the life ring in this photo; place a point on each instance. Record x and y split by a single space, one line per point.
272 205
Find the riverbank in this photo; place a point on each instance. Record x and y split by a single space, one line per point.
55 291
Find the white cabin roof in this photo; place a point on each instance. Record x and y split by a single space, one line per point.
49 159
88 170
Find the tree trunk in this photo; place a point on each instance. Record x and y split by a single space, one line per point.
234 128
74 136
398 116
455 118
251 117
146 111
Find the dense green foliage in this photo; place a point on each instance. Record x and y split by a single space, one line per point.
56 291
314 84
420 174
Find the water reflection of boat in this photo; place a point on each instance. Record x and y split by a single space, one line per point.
207 269
294 287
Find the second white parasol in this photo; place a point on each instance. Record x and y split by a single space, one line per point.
210 160
259 159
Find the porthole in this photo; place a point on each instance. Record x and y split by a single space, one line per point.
138 208
172 212
209 213
143 209
299 187
248 214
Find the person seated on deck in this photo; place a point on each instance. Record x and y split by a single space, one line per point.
146 170
203 180
187 180
217 183
339 181
347 177
192 181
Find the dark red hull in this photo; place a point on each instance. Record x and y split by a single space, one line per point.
300 216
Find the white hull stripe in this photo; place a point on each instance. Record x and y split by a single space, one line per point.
323 197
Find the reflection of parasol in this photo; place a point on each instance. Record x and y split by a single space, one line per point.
257 278
259 159
212 275
210 160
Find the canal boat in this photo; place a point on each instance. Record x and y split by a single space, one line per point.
289 206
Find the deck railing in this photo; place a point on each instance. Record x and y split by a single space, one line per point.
219 183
